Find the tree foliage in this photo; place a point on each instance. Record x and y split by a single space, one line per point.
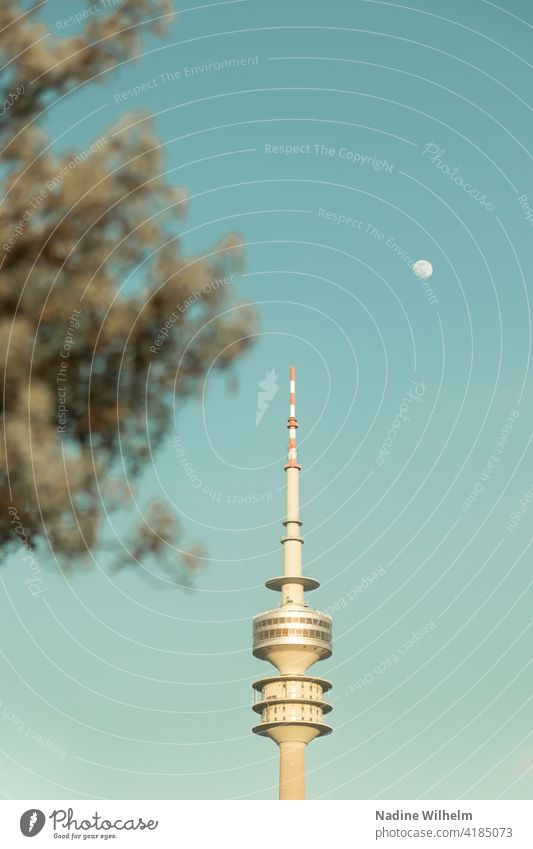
91 271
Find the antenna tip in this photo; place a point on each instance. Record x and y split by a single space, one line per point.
292 372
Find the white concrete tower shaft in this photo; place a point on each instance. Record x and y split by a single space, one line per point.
292 637
292 541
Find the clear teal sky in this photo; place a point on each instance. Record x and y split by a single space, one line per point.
147 691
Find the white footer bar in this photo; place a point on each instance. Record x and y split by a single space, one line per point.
280 825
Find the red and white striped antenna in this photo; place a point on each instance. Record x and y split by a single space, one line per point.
292 423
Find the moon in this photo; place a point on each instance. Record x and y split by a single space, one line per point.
423 269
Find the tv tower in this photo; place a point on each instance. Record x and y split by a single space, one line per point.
292 637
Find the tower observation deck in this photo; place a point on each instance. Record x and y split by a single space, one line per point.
292 637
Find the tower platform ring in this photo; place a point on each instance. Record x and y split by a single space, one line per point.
262 649
274 679
277 584
265 727
325 707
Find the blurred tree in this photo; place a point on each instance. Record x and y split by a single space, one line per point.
89 379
